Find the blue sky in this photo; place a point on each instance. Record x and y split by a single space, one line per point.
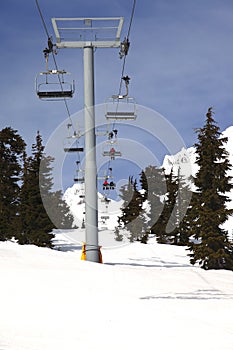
180 62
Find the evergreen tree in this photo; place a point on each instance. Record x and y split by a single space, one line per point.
12 148
189 212
144 185
168 219
132 213
184 200
154 185
176 205
169 197
213 251
59 210
35 224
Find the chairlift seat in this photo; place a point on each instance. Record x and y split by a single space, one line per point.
50 85
79 179
120 115
74 149
112 154
120 108
55 94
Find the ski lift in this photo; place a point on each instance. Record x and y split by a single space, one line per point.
112 185
112 153
121 107
112 136
105 185
79 179
71 144
102 131
51 85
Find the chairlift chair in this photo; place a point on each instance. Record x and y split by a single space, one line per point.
79 179
120 108
71 144
51 85
112 153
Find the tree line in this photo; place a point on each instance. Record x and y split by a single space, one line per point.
23 179
189 214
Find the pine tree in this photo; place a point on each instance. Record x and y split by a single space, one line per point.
154 185
12 148
184 200
169 217
132 213
59 210
35 224
176 205
144 185
213 251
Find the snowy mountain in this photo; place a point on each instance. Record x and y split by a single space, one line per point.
108 211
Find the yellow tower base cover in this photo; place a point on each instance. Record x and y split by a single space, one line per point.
83 256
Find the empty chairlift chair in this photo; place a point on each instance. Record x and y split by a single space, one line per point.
120 108
52 85
72 145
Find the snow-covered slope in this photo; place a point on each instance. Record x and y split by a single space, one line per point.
142 297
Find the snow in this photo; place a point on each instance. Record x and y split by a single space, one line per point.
141 297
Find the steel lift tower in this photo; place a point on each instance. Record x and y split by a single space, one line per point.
88 34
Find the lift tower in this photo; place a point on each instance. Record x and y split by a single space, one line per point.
88 34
